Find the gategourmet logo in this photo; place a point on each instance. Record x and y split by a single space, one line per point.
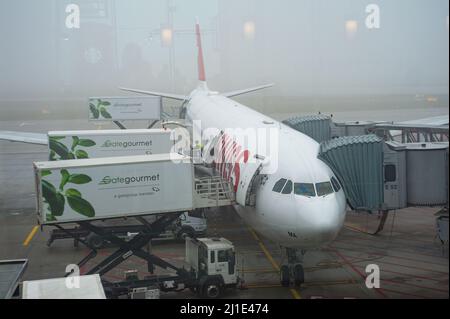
119 144
107 180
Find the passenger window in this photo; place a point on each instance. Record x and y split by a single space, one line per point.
287 188
324 189
336 185
213 257
279 185
304 189
222 256
390 173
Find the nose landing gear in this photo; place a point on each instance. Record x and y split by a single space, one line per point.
293 273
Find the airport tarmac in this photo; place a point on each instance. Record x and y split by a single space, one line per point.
412 261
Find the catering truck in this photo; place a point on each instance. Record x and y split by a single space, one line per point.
210 268
160 187
107 188
67 145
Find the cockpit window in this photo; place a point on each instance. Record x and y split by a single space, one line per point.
287 188
324 189
279 185
304 189
336 185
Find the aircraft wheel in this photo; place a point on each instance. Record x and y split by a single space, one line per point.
284 276
299 275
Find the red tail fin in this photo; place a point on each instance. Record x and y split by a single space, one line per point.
201 63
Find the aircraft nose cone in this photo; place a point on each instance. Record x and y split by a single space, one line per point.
329 221
324 218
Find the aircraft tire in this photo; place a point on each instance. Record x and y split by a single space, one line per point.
284 276
299 275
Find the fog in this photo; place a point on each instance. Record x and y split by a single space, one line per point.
309 48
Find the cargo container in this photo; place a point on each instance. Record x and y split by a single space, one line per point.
104 188
66 145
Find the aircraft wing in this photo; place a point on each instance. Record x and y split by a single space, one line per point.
166 95
244 91
24 137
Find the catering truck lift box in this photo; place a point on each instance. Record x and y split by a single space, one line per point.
104 188
66 145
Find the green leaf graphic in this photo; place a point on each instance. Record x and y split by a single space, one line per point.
52 156
45 172
81 206
79 179
51 218
105 103
105 113
57 138
59 149
75 142
73 192
65 178
58 206
86 143
48 190
81 154
54 199
94 111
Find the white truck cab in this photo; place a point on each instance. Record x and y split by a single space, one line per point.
214 262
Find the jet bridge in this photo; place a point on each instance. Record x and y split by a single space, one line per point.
318 127
378 175
381 170
358 164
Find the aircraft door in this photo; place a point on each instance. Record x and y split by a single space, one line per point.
244 194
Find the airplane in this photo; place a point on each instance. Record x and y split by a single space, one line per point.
300 205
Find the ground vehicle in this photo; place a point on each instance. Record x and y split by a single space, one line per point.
211 268
189 224
213 262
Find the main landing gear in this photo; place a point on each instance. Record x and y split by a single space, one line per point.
293 273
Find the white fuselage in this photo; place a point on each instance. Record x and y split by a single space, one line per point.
290 220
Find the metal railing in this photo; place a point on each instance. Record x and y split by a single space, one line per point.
213 191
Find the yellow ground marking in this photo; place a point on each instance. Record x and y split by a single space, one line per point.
294 292
31 235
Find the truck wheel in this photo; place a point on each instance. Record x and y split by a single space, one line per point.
96 241
284 276
212 289
299 275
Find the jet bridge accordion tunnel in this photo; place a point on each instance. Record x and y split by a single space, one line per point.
318 127
357 162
